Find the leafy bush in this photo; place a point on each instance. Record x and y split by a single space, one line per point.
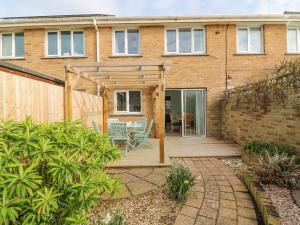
52 173
260 147
279 169
117 218
179 182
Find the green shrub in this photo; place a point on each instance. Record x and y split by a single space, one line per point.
260 147
279 169
179 182
52 173
117 218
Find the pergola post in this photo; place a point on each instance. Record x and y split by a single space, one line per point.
162 117
68 104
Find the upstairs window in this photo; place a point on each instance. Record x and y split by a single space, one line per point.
12 45
293 40
249 40
128 101
126 42
185 41
65 43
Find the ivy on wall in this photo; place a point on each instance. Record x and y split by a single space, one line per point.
284 77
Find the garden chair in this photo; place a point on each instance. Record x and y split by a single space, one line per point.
141 124
138 138
111 120
118 132
96 127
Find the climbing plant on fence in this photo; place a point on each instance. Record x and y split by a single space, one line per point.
52 173
284 77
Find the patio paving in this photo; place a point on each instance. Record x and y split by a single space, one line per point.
178 147
137 181
218 198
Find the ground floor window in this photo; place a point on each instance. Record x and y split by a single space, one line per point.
128 101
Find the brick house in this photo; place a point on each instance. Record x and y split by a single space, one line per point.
208 54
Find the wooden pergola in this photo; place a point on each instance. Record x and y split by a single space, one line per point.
119 75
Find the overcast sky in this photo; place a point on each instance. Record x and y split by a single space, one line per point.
9 8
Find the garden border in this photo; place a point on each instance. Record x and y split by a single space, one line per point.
262 200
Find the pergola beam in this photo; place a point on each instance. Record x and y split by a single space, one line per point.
120 74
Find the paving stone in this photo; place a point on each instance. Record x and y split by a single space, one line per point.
162 171
228 213
223 182
246 221
116 171
225 188
240 188
245 203
126 178
226 221
227 196
246 212
189 211
208 212
198 188
139 187
156 179
124 193
198 195
141 172
194 202
220 178
212 188
228 204
209 203
184 220
212 195
202 220
242 195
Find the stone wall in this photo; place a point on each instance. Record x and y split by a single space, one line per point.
278 120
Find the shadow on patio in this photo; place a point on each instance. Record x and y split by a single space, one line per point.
178 147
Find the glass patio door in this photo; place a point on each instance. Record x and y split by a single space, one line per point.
193 113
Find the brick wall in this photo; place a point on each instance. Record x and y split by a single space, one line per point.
207 71
280 123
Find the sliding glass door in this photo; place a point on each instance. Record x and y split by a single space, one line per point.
193 112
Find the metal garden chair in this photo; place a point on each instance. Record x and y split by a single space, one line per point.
118 132
138 138
141 124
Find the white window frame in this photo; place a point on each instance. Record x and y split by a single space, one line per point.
248 33
13 48
127 101
297 41
59 44
193 52
126 42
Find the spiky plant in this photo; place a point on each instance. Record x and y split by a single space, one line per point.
52 173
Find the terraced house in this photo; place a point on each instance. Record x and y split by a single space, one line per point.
205 56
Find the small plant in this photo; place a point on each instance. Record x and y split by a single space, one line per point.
179 182
279 169
118 217
260 147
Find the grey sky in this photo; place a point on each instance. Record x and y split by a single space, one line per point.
144 7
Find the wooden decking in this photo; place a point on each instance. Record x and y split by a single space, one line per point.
178 147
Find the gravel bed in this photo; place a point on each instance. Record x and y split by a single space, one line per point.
153 208
288 211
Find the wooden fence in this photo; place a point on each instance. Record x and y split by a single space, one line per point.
22 96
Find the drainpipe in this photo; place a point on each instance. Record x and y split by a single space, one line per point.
226 58
97 50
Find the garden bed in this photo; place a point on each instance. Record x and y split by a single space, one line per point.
154 207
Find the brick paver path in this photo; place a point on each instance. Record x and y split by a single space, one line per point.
218 196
